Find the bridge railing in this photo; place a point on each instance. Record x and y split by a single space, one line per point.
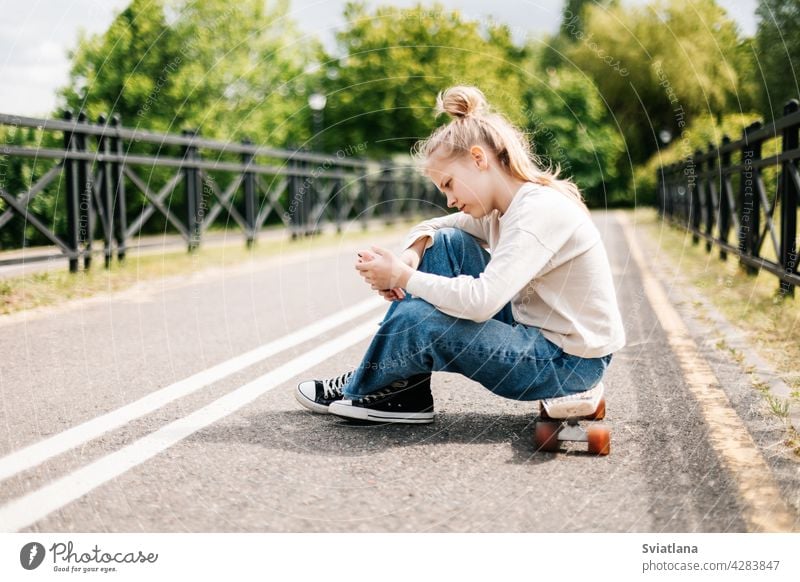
726 189
109 180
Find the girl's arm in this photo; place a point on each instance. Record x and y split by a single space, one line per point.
412 256
539 228
517 260
426 230
514 263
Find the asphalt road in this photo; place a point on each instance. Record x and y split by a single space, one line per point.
238 454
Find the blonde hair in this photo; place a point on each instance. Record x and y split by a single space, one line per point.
474 123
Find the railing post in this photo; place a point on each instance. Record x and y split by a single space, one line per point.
697 208
680 212
121 223
366 188
711 209
789 196
406 191
106 192
337 192
687 182
756 220
413 195
72 197
676 203
249 182
387 192
667 181
306 187
748 199
724 207
295 211
309 229
192 190
86 204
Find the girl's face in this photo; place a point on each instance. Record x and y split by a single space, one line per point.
465 180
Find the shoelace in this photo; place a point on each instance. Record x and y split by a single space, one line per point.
395 387
377 395
333 386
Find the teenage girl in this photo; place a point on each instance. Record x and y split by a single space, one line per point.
535 319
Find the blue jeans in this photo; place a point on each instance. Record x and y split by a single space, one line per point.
510 359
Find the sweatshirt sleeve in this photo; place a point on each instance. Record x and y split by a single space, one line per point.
465 222
522 253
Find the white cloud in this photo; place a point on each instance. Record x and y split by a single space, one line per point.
34 40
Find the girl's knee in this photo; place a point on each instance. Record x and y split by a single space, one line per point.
454 252
415 313
413 308
451 235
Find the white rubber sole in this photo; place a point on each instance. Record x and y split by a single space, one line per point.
308 403
344 409
582 404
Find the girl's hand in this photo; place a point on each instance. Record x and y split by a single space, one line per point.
385 271
396 294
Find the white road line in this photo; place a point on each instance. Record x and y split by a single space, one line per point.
763 506
37 453
30 508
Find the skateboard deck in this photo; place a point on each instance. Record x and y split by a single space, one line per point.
564 419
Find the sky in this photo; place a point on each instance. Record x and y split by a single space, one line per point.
36 35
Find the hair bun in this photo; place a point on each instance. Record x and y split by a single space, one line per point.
460 102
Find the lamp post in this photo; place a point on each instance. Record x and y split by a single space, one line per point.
317 101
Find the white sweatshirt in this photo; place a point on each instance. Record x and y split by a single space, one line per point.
547 259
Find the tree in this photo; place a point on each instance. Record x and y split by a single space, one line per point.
572 16
704 130
392 62
227 69
569 124
777 54
389 65
659 65
572 25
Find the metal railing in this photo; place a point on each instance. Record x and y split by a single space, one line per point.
100 165
711 193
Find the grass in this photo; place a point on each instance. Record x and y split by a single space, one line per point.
51 288
793 441
769 319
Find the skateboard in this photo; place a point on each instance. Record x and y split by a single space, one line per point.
573 419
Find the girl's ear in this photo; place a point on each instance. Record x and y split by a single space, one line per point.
478 155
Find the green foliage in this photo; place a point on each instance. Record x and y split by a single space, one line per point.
569 124
117 71
16 176
391 63
593 97
704 130
777 54
573 18
651 63
395 61
227 69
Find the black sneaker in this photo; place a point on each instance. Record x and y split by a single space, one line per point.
405 401
317 395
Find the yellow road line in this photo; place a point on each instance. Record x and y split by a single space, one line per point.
763 507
